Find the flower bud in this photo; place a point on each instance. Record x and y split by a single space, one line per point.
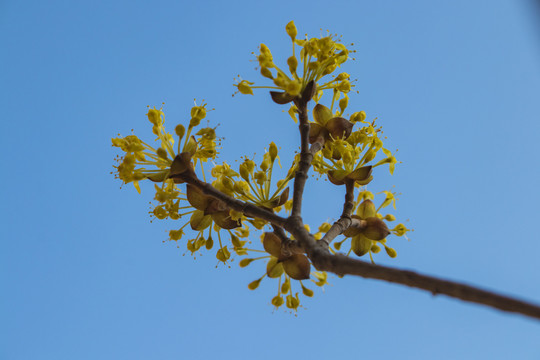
176 234
344 86
277 301
358 116
342 76
293 302
154 116
400 230
162 153
254 284
391 252
180 130
227 183
291 30
286 286
160 212
241 187
293 88
343 103
236 241
266 73
265 164
306 291
223 254
273 151
293 63
244 87
245 262
198 112
209 243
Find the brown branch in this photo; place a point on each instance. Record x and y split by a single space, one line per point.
341 265
288 246
235 204
305 160
345 220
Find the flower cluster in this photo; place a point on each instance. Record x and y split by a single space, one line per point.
143 161
344 149
349 146
319 58
370 228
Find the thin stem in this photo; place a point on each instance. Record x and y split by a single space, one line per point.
305 160
235 204
345 221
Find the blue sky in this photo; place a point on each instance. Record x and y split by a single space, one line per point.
85 275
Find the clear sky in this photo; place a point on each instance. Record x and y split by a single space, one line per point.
85 275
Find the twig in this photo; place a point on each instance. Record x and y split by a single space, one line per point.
305 160
345 220
244 207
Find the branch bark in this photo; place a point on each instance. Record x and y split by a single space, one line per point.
305 160
342 265
235 204
345 221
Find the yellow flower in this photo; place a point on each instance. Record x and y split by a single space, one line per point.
318 57
244 87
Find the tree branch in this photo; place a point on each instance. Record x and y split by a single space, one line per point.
345 221
235 204
341 265
305 160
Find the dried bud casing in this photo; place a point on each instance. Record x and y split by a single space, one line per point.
180 165
223 220
297 267
196 198
339 127
272 244
375 229
281 98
